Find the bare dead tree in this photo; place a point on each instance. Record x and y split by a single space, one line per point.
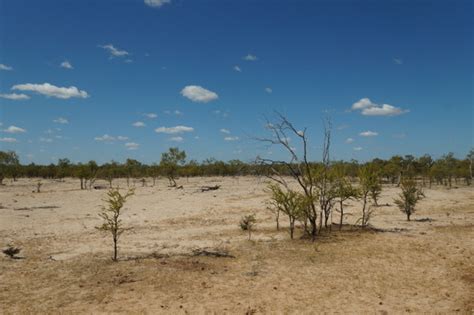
298 167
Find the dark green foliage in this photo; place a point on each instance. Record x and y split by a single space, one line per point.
409 197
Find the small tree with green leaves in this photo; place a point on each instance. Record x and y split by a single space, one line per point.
169 163
369 179
247 223
111 215
343 190
289 202
409 197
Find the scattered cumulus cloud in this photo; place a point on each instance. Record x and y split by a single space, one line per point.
250 57
61 120
5 67
156 3
114 52
342 127
357 148
105 138
237 68
174 130
268 90
15 96
132 145
14 129
176 139
108 138
66 65
226 131
7 139
138 124
398 61
52 90
349 140
151 115
384 110
368 133
231 138
368 108
362 103
46 140
198 94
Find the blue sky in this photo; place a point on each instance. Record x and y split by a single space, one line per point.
75 76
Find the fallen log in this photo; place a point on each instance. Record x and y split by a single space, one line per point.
208 188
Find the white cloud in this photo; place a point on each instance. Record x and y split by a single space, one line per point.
398 61
268 90
178 113
198 94
132 145
231 138
61 120
250 57
357 148
122 138
368 108
237 68
105 137
9 140
384 110
362 103
138 124
14 129
176 139
349 140
52 90
15 97
47 140
66 64
156 3
368 133
173 130
114 52
151 115
223 130
5 67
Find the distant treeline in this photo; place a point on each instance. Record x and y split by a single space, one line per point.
443 171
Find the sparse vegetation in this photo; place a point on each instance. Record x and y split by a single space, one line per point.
409 197
111 216
170 161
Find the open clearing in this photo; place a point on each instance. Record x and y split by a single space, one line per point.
417 266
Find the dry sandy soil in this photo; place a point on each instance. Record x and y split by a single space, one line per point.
417 266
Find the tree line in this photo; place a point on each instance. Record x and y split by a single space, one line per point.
446 170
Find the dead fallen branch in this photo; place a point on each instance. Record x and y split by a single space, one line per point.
12 252
212 253
424 220
208 188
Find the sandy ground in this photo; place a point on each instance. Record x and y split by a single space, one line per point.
406 267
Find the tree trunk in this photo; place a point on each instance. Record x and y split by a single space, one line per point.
342 215
115 248
292 227
408 216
